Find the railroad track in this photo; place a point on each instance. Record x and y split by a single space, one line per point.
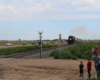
24 54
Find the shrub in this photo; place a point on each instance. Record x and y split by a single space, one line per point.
54 53
83 51
56 56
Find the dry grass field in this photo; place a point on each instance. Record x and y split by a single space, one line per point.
3 43
43 69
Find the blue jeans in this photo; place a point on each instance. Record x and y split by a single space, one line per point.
98 70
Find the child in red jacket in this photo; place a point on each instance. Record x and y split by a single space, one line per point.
89 64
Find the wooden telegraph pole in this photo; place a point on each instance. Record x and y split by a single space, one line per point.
40 33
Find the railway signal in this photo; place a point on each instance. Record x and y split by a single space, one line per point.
59 44
59 36
40 33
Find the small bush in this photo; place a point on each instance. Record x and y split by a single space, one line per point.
54 53
56 56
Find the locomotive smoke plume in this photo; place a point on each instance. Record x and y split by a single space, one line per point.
83 33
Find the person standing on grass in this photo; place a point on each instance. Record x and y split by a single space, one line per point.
96 51
81 66
89 64
96 59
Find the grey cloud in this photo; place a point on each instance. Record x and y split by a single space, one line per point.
84 33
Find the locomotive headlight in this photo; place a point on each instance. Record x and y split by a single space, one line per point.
70 39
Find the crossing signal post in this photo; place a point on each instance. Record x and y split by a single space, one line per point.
40 33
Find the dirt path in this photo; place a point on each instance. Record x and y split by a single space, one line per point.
42 69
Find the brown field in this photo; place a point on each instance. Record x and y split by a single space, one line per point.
43 69
3 43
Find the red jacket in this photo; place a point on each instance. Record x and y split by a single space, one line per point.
89 64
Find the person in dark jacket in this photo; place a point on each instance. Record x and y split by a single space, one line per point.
96 60
81 66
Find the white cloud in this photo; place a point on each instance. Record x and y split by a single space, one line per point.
48 9
30 36
55 36
7 10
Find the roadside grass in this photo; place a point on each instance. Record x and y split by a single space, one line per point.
82 51
95 79
12 50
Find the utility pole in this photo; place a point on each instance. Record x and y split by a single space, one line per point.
40 33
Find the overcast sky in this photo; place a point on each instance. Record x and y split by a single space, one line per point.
22 19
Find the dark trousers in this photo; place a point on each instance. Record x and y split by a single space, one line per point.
81 72
98 71
89 73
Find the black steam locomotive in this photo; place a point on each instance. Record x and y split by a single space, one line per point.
73 40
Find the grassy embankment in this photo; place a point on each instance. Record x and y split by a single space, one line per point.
12 50
82 51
